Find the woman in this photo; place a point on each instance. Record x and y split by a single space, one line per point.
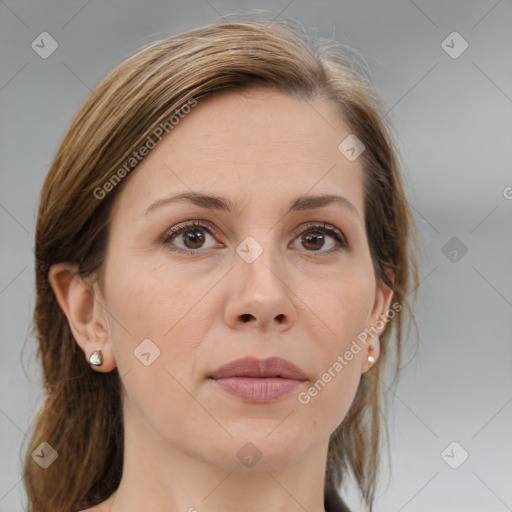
223 246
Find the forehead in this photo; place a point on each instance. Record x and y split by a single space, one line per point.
258 146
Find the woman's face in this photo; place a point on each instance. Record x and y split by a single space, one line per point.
263 280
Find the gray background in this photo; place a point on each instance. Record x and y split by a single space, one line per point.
453 118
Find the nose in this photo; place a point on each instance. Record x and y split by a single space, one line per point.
259 295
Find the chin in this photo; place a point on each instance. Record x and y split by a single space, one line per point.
258 451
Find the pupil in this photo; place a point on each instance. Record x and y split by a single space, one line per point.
319 237
196 237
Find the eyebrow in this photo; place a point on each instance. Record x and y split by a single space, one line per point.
214 202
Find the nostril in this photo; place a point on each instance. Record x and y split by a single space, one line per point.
246 317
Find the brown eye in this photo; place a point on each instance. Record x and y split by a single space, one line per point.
193 238
313 240
188 237
316 236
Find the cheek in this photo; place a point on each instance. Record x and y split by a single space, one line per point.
339 305
156 331
154 343
150 301
337 313
338 384
327 400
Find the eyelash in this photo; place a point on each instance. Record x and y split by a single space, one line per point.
185 226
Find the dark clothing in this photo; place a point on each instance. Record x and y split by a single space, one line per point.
333 502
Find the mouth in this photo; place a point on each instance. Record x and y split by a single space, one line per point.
259 380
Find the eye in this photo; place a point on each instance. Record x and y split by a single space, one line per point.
192 235
314 236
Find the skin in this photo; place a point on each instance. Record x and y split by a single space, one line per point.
305 302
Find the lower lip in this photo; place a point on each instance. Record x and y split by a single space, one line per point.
258 389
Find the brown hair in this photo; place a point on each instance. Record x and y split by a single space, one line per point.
81 416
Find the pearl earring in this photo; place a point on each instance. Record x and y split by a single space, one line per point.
96 358
371 359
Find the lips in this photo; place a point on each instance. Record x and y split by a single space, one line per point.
259 380
254 367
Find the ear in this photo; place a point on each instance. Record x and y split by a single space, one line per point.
378 320
83 304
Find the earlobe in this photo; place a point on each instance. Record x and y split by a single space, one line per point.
81 303
371 355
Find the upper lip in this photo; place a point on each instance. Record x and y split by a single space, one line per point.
254 367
